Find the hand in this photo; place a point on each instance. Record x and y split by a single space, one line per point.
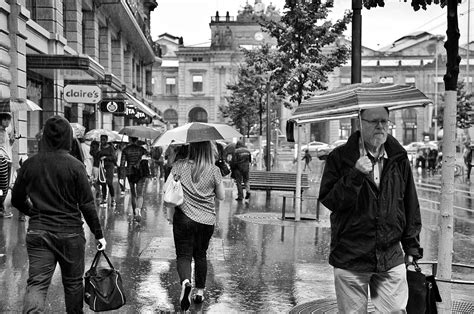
102 158
364 165
101 245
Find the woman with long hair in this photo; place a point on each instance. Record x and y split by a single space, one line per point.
194 220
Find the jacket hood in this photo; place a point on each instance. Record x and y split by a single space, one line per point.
57 135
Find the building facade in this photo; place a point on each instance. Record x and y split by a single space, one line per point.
191 83
56 52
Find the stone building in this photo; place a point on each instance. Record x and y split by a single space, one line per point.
191 83
56 52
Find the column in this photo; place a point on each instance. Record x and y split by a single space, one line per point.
17 86
91 36
72 11
128 69
105 51
107 120
50 15
117 58
77 113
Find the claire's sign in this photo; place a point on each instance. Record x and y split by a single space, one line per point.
87 94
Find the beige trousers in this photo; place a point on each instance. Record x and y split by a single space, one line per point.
388 290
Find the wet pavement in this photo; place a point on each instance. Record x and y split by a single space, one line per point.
257 262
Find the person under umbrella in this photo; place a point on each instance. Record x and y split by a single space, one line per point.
194 220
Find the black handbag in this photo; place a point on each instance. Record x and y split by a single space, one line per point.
223 166
103 286
423 292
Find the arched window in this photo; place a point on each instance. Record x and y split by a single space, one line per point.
197 115
171 116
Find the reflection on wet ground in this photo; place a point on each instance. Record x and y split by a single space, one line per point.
257 263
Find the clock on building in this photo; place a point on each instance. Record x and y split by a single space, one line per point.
258 36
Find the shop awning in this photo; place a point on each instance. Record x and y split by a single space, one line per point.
74 68
141 106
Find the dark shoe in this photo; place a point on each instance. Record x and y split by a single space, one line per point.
198 299
247 196
239 199
185 298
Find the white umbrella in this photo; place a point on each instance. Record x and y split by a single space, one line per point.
196 132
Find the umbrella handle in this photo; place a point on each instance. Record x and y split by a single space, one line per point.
363 151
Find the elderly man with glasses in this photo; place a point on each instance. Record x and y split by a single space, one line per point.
375 217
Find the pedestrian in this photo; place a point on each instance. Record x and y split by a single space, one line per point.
240 166
375 217
157 162
107 158
7 138
468 160
53 190
121 172
194 220
94 152
130 165
307 159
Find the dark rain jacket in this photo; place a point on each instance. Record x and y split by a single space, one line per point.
369 223
52 186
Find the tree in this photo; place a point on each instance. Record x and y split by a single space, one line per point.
248 95
464 105
308 45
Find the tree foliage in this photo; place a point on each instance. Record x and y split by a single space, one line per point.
308 45
464 105
416 4
248 94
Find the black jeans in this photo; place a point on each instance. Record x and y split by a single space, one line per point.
191 240
45 250
109 181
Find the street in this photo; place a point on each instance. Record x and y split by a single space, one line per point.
257 262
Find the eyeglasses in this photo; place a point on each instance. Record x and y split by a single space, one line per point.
374 123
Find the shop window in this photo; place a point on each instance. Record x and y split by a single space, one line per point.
197 83
170 86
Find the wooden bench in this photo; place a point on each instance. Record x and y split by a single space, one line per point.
276 180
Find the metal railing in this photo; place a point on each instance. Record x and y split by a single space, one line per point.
434 269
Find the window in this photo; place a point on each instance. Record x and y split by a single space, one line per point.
170 86
197 59
366 79
386 79
197 83
31 6
410 80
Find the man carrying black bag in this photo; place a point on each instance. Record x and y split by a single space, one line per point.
53 189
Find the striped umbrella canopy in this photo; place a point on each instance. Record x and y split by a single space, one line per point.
347 101
197 132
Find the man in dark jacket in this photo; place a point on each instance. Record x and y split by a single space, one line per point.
240 166
53 189
130 164
375 221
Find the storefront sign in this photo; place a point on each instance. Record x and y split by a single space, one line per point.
132 112
87 94
112 106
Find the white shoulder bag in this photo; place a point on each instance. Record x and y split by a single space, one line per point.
173 191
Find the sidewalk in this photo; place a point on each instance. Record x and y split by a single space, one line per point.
257 262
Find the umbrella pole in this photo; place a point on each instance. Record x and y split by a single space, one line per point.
363 152
298 177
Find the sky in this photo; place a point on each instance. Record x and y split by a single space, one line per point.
380 26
